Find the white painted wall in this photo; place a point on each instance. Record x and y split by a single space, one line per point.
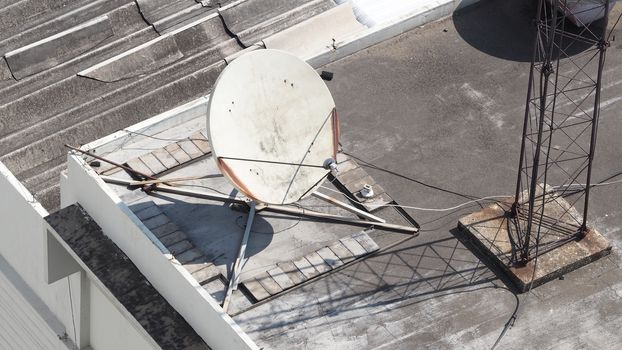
119 332
374 12
46 308
21 326
24 293
38 315
383 20
81 184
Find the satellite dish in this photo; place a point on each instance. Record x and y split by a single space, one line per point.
273 126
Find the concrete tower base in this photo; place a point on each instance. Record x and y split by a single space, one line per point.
487 232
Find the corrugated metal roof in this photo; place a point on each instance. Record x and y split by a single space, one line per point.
135 58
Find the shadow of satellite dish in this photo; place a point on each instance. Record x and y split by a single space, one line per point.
505 29
217 222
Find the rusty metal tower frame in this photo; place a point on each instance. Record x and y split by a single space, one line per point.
560 129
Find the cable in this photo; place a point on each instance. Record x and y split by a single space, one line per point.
478 200
592 185
514 316
273 162
73 320
162 138
509 324
614 27
420 208
131 133
373 166
487 198
475 199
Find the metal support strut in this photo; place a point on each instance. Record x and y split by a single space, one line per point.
241 260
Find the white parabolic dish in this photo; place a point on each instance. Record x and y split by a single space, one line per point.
272 125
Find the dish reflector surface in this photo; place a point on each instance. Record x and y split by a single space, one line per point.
272 125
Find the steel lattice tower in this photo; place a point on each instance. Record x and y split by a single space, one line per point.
560 127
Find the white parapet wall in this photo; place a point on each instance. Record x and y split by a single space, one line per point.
327 40
374 13
33 314
387 19
83 185
71 312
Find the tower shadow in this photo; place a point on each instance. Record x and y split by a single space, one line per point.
506 29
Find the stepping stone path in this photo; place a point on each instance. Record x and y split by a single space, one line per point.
166 158
175 240
288 274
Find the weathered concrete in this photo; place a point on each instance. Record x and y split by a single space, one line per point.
175 240
423 121
487 232
311 265
437 115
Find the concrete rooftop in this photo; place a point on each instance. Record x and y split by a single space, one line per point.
437 113
435 116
